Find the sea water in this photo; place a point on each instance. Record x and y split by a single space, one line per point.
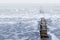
23 23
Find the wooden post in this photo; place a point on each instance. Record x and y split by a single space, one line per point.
43 28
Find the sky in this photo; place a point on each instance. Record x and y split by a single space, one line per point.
30 1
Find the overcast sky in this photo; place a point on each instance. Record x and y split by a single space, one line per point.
30 1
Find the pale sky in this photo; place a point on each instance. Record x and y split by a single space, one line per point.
29 1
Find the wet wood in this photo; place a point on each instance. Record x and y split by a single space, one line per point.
43 28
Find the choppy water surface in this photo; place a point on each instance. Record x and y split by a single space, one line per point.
23 23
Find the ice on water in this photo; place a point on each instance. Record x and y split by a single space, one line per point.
23 23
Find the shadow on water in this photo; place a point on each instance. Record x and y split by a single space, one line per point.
49 38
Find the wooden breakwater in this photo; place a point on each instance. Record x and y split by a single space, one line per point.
43 29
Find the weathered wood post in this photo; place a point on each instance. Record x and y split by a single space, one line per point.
43 28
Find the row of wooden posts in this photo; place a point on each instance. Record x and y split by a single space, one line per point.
43 28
